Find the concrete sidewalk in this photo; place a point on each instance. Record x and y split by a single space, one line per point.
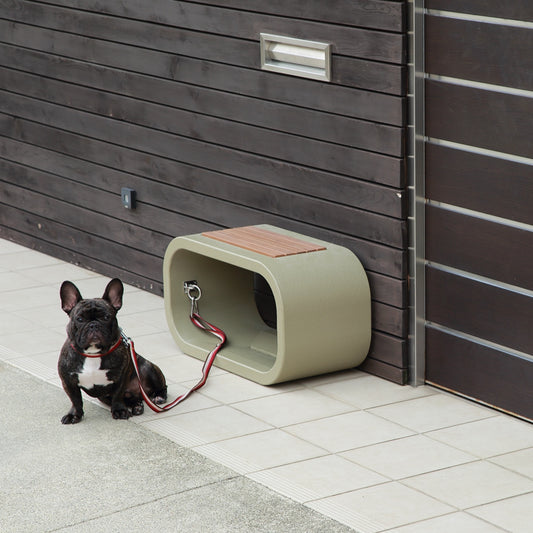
115 476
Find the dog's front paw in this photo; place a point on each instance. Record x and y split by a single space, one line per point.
120 412
72 417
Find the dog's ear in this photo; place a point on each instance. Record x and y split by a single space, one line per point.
113 293
70 296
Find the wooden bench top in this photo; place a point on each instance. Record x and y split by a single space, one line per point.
263 241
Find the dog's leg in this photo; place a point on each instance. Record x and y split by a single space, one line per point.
153 381
119 409
76 411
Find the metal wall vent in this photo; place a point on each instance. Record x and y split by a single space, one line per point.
297 57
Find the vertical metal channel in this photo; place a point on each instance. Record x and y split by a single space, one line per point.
417 281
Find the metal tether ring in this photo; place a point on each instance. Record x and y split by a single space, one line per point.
194 293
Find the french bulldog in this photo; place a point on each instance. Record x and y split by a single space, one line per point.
96 360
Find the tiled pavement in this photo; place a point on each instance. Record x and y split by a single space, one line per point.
372 455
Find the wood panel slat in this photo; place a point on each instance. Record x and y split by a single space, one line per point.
489 53
207 152
351 41
369 226
186 123
384 370
517 9
278 116
485 248
178 201
352 72
258 191
486 119
374 256
485 374
388 349
481 183
78 241
482 310
370 14
347 101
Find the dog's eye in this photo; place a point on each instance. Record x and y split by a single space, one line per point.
107 316
79 319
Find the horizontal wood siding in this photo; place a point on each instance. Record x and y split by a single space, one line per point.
495 376
479 185
515 10
168 97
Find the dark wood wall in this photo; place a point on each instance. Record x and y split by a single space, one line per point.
479 183
167 97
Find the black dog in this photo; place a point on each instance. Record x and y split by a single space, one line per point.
95 359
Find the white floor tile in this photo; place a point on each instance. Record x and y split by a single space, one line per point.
513 514
150 317
195 402
229 388
12 323
25 259
317 478
492 436
14 281
48 316
345 432
333 377
452 523
134 327
8 247
370 391
433 412
138 299
172 431
28 297
471 484
293 407
181 368
215 424
56 274
521 461
39 341
260 451
382 507
48 359
158 344
419 454
35 368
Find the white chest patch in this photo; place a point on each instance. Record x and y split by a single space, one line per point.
91 374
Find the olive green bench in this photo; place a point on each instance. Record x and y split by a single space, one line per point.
320 290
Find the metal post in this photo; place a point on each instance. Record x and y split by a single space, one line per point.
417 285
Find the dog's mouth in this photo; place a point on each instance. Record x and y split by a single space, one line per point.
95 341
93 349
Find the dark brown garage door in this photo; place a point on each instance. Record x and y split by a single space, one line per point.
479 186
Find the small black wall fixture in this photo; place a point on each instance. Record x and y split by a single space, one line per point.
129 197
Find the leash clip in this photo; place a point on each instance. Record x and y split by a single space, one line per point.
193 291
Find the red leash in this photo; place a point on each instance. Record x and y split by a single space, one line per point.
199 322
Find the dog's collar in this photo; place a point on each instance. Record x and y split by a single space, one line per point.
95 355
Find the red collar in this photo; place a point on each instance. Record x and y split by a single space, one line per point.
112 349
